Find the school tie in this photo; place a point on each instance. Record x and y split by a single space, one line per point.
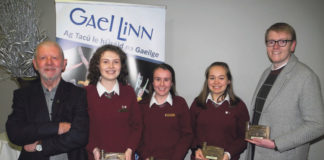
109 95
163 105
215 104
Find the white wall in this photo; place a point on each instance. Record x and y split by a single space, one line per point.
199 32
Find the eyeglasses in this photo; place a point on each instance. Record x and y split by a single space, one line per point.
281 43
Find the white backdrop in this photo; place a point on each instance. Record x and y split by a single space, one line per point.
138 29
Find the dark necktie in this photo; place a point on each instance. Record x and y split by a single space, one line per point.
215 104
108 95
161 105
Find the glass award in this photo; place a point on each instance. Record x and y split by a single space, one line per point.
212 152
257 131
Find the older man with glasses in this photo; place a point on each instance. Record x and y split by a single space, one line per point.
288 99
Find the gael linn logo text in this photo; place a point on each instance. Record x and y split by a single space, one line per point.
78 16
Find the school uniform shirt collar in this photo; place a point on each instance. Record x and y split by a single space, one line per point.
209 97
154 101
101 89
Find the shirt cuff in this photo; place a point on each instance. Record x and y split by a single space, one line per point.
276 148
229 155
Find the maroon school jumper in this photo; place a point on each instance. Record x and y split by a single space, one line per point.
115 124
167 132
223 126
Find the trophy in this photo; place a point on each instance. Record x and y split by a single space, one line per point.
257 131
212 152
111 155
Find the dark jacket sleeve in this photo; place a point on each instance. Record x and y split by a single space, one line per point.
23 126
77 136
29 121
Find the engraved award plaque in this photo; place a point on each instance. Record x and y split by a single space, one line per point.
257 131
111 155
212 152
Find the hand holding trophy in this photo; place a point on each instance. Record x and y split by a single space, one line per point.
257 131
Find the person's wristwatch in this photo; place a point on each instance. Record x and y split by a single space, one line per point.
39 147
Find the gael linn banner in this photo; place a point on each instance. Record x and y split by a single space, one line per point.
83 26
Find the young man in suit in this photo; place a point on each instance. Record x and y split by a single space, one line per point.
49 118
288 99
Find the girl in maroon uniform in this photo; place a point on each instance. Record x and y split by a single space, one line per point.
115 121
218 115
167 132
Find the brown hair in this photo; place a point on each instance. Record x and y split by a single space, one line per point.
281 27
94 72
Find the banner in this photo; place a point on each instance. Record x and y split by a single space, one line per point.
139 30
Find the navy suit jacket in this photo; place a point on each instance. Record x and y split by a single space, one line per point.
30 122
